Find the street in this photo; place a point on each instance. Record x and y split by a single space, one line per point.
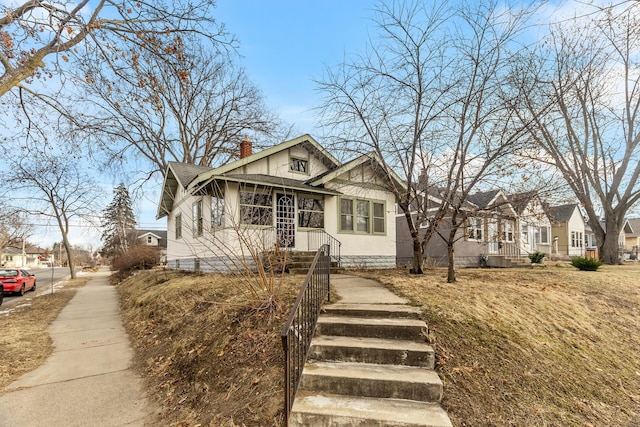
44 284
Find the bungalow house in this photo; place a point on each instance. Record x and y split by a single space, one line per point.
489 233
534 224
156 238
295 196
568 230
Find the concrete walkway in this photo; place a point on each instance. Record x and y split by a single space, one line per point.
88 380
358 290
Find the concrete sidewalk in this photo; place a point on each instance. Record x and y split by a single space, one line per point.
358 290
88 380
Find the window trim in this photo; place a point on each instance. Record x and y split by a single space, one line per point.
374 217
354 214
197 218
478 220
305 160
543 241
367 204
577 239
508 236
217 222
178 226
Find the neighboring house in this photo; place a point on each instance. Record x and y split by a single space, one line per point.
157 238
632 237
294 195
13 257
568 230
534 223
29 257
490 231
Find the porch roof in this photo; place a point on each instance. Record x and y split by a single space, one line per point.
269 180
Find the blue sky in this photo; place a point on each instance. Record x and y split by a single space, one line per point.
285 44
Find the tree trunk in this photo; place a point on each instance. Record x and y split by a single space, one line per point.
451 272
67 249
609 248
417 256
415 238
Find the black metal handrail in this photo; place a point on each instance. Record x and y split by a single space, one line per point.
319 237
298 331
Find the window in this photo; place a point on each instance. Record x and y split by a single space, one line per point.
217 211
179 226
507 231
197 218
310 212
256 208
149 240
474 229
378 218
346 215
544 235
576 239
299 165
367 215
524 234
362 217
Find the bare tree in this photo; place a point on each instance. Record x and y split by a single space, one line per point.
428 99
194 108
580 101
387 100
44 42
65 192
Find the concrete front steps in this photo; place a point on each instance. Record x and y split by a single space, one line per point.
300 261
369 365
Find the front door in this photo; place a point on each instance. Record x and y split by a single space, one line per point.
286 220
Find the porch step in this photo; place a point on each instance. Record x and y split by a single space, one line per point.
371 350
373 310
372 380
306 265
374 327
325 410
332 270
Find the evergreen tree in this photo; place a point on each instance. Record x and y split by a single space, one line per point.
118 224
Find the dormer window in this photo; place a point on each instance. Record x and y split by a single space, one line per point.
299 165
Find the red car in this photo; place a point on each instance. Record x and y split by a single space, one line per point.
17 280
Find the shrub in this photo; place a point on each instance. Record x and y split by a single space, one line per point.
139 257
536 257
586 264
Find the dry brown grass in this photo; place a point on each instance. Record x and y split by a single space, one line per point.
24 342
209 356
548 346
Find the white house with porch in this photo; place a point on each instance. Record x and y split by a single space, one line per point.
294 195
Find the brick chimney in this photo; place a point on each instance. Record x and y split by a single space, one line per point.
246 148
